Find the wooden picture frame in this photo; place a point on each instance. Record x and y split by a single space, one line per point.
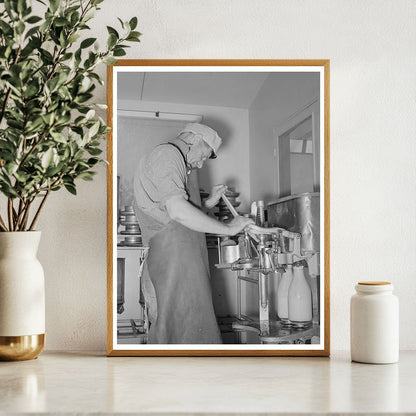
292 130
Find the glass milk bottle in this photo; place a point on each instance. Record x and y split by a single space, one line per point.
300 299
374 323
283 295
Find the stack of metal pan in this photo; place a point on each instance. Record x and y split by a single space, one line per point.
132 234
224 214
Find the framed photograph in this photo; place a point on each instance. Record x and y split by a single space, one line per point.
218 208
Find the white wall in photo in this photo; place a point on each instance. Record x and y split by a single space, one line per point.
373 147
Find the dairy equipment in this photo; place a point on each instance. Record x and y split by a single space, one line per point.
290 244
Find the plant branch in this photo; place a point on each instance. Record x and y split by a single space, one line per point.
39 209
26 216
2 224
10 213
20 213
32 149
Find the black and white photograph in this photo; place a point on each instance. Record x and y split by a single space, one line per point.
217 211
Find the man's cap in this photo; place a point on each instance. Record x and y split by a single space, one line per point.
209 136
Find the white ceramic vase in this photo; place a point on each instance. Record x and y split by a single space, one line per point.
22 296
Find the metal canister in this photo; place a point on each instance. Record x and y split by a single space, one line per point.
230 254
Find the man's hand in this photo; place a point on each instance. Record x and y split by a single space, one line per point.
216 193
238 224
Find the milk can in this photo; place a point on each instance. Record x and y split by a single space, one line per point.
374 323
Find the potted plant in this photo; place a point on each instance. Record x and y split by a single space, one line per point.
50 137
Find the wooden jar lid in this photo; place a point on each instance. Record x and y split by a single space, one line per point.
374 283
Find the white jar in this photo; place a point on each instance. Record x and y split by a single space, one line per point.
374 323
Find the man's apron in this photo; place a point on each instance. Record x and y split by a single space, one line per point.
178 269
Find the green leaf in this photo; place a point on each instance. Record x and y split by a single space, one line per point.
52 171
7 30
61 21
48 118
27 11
35 125
74 18
8 191
32 31
73 38
67 153
133 37
47 158
70 188
58 137
54 4
46 56
112 31
6 146
21 176
52 85
82 98
28 50
110 61
86 176
121 22
11 168
21 5
15 124
20 28
63 41
135 34
112 41
87 42
88 16
82 165
31 90
92 161
34 19
94 151
119 51
90 114
94 129
133 23
10 9
78 154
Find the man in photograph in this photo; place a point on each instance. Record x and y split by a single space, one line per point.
176 280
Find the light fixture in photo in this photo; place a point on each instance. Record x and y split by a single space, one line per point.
159 115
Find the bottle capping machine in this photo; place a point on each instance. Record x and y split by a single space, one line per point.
279 253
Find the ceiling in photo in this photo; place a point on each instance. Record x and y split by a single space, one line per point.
225 89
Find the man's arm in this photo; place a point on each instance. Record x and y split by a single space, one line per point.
180 210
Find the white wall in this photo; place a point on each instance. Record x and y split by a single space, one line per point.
373 198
